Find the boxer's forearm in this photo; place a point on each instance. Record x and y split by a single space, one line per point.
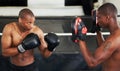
87 54
46 53
100 38
10 51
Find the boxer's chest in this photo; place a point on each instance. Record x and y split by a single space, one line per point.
17 38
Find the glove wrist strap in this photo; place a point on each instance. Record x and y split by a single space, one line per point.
50 49
21 49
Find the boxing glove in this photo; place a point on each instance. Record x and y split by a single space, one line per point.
52 41
29 42
79 29
95 27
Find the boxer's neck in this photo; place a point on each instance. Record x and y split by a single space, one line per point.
22 29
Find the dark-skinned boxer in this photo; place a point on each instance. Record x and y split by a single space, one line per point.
108 50
20 38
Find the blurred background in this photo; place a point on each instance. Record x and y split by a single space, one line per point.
55 16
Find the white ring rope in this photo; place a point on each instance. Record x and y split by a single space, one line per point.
0 34
70 34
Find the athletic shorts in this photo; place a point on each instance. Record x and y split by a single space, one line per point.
31 67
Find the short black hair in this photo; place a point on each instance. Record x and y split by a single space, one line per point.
108 9
25 12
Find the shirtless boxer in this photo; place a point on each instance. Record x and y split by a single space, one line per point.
108 51
20 38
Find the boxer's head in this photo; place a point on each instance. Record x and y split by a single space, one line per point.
105 13
26 18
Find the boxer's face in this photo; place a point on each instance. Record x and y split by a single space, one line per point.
101 20
27 22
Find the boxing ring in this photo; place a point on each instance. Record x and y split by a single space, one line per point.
67 56
59 61
61 27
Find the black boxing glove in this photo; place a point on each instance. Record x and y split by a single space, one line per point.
52 41
95 27
79 29
29 42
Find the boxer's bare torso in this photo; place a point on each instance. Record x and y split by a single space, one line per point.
113 62
15 38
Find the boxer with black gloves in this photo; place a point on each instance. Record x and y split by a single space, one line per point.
52 41
19 40
29 42
79 29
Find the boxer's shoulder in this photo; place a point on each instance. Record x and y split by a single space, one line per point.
37 29
11 25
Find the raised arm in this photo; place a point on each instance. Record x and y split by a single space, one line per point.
43 47
48 43
100 38
101 54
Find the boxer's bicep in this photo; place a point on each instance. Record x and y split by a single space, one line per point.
6 38
104 51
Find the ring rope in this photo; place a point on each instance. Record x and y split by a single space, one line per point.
70 34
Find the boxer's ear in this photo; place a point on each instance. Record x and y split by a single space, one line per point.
108 18
19 19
